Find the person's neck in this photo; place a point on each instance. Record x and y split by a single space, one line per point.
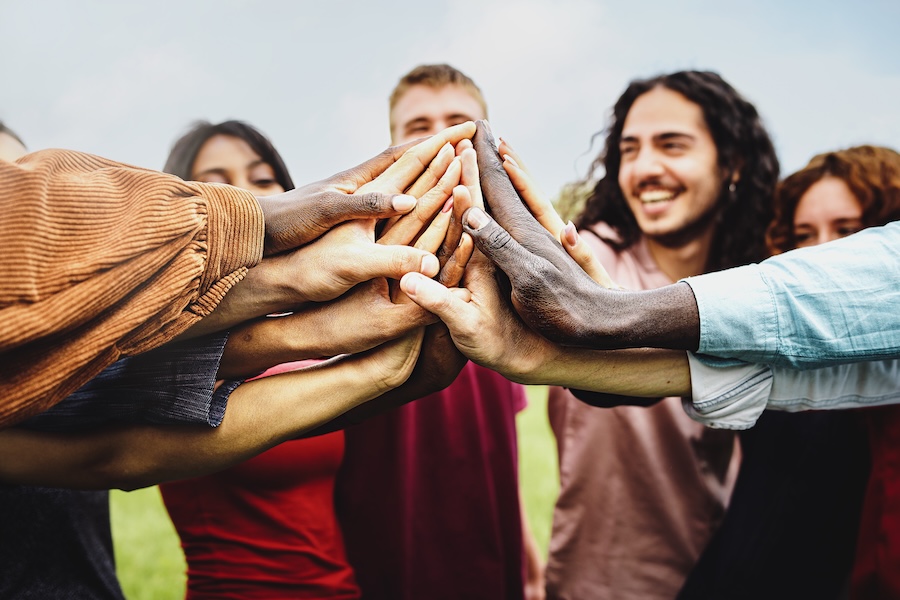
684 258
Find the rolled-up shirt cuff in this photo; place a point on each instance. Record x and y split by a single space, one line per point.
171 385
731 397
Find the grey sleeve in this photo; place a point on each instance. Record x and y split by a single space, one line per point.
172 384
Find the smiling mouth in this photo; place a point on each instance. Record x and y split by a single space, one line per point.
653 196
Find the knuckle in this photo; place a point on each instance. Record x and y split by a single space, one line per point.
497 239
371 202
401 260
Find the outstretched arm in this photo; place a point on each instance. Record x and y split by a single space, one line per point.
261 414
484 327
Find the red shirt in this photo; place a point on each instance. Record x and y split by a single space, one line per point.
876 571
265 528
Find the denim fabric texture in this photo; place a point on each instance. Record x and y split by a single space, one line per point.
809 308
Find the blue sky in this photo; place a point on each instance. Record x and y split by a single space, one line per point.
124 79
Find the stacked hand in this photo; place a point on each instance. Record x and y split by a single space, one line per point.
342 301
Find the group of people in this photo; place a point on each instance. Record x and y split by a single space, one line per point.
321 431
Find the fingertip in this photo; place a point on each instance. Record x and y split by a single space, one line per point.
409 283
430 265
507 159
475 218
403 203
570 234
461 193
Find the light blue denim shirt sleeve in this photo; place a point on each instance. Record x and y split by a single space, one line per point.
734 397
809 308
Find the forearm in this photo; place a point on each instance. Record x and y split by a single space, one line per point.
260 415
426 378
734 397
261 292
638 372
105 260
807 308
666 317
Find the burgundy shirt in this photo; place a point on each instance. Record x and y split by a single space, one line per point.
428 495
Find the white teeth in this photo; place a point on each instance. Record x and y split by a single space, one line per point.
656 195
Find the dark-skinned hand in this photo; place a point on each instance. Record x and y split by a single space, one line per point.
551 292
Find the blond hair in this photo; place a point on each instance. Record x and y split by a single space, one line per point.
436 77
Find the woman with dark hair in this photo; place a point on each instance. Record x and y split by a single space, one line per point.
267 528
689 173
264 528
204 138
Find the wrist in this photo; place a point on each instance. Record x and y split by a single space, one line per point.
277 211
276 284
535 365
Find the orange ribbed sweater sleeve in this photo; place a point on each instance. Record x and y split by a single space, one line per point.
101 260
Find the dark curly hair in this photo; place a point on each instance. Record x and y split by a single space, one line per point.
742 145
185 149
871 172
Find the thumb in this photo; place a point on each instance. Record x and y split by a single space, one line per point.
336 207
496 243
435 298
393 262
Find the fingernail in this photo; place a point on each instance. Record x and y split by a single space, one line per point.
409 282
509 159
403 202
476 218
570 233
447 205
430 265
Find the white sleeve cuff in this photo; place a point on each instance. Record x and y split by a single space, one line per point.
727 397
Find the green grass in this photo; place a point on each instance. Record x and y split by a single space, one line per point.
538 470
149 558
148 554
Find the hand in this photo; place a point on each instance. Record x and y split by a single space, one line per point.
552 293
370 190
481 323
359 320
547 216
528 191
346 256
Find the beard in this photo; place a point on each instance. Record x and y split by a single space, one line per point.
697 227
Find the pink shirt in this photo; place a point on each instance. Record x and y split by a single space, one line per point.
642 489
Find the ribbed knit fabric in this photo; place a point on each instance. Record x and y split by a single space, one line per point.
101 260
